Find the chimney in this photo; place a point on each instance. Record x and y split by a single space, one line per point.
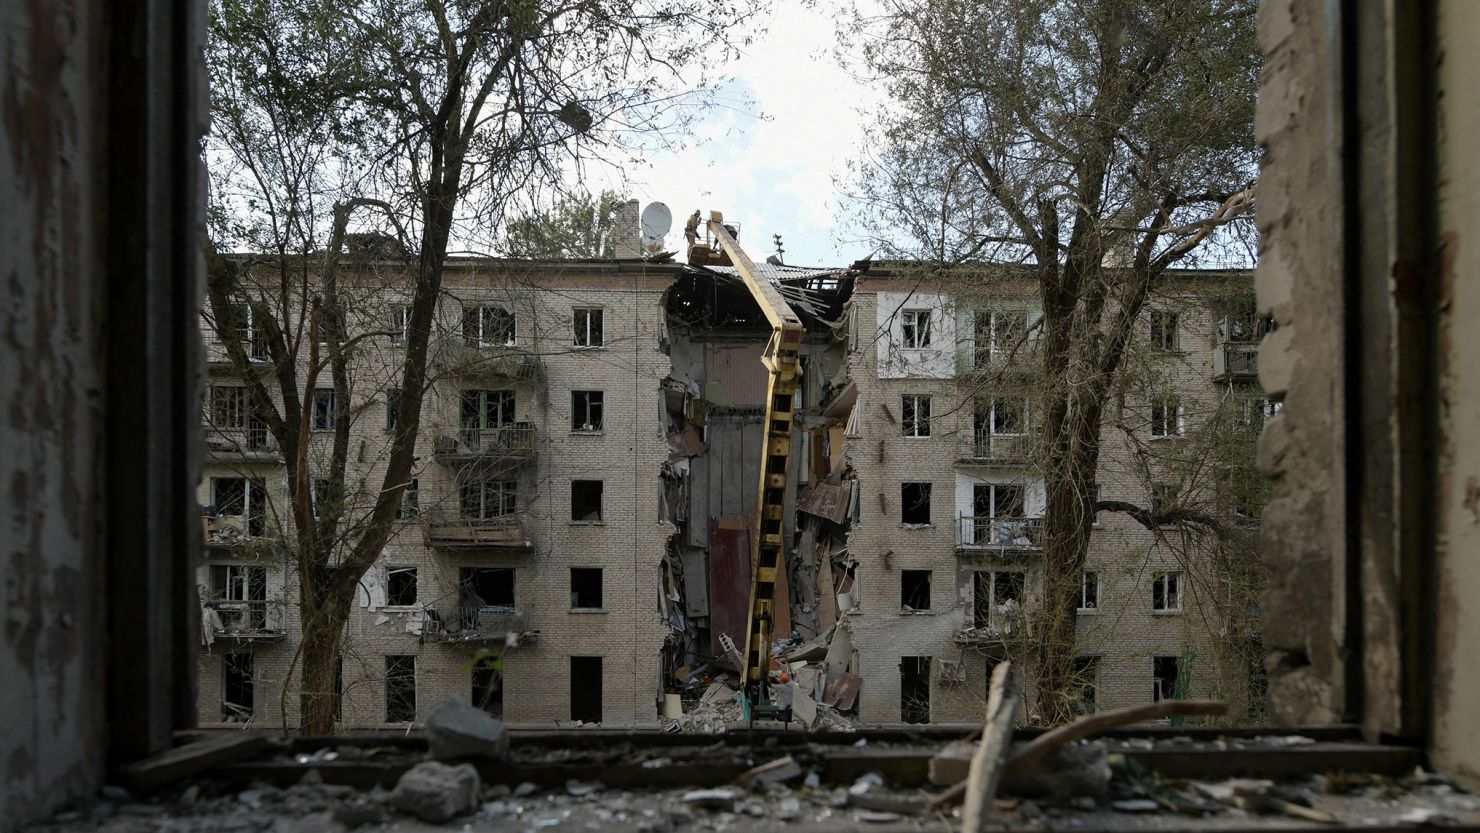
628 231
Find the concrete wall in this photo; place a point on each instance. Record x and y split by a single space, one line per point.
52 197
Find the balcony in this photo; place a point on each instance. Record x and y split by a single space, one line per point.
999 535
492 449
449 531
987 364
988 449
252 445
479 624
455 357
984 636
238 533
243 621
1236 361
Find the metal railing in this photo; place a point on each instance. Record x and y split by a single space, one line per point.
998 533
459 624
505 361
245 619
1005 448
514 443
1236 360
449 530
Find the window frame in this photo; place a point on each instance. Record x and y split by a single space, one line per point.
400 325
479 326
600 606
577 407
582 337
600 501
392 410
501 493
409 508
1093 606
904 589
910 422
322 419
1168 412
912 335
1165 330
1170 591
239 407
927 489
400 675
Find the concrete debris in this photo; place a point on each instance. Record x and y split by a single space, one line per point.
1135 805
458 730
360 811
580 789
721 798
772 772
437 792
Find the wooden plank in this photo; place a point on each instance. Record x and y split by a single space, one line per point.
180 762
729 580
986 764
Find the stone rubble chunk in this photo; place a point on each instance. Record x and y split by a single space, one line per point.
360 811
1136 805
458 730
436 792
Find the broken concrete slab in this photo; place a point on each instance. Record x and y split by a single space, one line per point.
459 730
191 759
842 692
771 772
803 707
839 653
437 792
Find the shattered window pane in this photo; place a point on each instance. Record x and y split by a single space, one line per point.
915 326
588 327
229 407
585 410
915 410
323 409
1164 330
1166 591
400 689
400 586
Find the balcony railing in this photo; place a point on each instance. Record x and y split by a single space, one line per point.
255 443
454 532
246 620
237 531
456 357
508 446
1236 361
1010 449
998 533
477 624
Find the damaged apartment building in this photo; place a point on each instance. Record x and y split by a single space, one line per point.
575 545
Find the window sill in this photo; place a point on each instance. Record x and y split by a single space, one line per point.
1087 611
588 610
911 611
588 523
1177 612
586 433
588 347
1161 438
916 526
411 608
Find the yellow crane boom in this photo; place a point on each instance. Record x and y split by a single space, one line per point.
782 360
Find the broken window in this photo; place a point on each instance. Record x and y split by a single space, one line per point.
238 683
588 327
585 500
1167 418
1085 687
1094 497
410 501
997 333
239 596
585 689
914 689
228 407
400 586
997 597
392 409
914 589
257 437
400 688
322 498
491 586
1166 590
1010 416
488 327
585 588
914 503
323 410
1165 672
1164 330
253 336
488 684
489 499
915 414
1255 411
400 325
485 410
585 410
915 325
241 497
1089 591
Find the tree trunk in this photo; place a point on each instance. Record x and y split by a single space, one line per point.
323 631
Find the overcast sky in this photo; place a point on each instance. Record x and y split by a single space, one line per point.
770 163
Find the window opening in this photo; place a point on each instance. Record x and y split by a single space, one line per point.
1164 330
400 586
489 326
238 686
914 589
915 325
914 503
914 689
323 409
915 414
400 689
585 689
585 588
1089 591
585 500
589 325
586 410
1166 590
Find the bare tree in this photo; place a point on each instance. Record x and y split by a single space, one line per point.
1093 144
355 131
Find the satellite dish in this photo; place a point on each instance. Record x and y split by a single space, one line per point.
657 220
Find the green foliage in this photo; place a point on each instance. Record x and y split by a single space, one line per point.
582 227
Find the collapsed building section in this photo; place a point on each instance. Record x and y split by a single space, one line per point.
715 408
